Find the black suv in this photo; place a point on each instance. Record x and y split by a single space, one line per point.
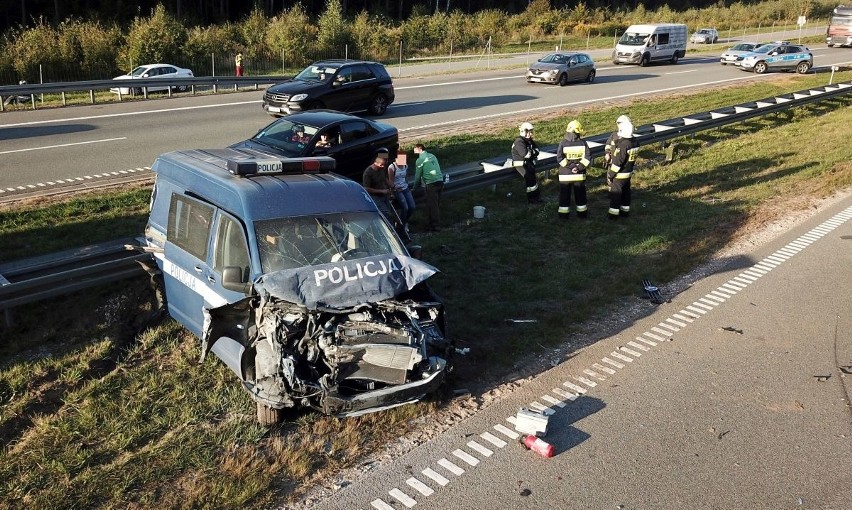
343 85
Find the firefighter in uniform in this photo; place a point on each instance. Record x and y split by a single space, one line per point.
573 157
620 170
609 146
524 153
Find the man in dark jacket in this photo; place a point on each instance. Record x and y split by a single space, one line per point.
573 157
620 171
524 154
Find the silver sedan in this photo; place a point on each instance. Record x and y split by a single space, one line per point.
561 68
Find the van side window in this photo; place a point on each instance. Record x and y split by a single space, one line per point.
231 248
663 38
189 225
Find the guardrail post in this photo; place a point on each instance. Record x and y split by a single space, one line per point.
63 99
91 97
671 151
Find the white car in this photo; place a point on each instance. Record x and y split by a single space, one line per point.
165 71
731 54
705 36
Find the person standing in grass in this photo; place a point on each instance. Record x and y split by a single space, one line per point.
573 157
238 63
620 171
524 155
398 180
428 173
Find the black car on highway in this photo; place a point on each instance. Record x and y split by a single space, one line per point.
352 141
344 85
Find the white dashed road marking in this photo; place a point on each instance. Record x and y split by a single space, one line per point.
664 331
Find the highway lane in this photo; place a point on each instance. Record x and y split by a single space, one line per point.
733 395
46 145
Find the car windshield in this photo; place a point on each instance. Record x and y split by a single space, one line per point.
743 47
286 136
139 71
766 48
316 73
554 58
704 31
291 243
633 39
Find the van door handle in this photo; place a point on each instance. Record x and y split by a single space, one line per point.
211 279
198 269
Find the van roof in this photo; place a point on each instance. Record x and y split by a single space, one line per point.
204 173
651 28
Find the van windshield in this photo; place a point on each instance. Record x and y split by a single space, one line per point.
290 243
633 39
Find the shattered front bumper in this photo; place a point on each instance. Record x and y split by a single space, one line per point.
367 402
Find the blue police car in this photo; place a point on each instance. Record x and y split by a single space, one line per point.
294 279
781 56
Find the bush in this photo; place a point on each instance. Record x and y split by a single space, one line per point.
288 35
158 38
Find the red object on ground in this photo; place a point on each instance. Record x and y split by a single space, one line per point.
539 446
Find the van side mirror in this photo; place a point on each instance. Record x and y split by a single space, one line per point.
232 279
415 250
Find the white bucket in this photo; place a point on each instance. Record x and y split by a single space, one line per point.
478 212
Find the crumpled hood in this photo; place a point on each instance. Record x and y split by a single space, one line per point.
293 87
346 283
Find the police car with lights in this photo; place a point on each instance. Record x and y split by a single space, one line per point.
291 275
777 56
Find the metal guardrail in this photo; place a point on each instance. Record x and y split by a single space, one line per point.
33 279
55 274
191 84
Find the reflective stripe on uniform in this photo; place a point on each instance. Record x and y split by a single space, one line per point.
516 163
533 188
625 208
623 175
565 210
612 211
582 208
572 177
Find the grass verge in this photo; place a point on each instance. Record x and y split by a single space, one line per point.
96 415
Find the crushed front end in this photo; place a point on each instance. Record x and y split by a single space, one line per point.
346 358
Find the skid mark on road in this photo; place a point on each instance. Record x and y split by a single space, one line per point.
580 385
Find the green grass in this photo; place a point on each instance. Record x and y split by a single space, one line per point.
94 415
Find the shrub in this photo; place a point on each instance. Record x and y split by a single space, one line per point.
289 34
158 38
333 30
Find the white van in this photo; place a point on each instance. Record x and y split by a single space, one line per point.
643 44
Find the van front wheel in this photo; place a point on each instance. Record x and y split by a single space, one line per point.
674 58
645 60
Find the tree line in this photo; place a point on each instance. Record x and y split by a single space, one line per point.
88 48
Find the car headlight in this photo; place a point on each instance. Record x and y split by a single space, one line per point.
551 72
299 97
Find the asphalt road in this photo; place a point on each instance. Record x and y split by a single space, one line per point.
733 395
45 146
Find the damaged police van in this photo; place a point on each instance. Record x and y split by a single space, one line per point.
294 279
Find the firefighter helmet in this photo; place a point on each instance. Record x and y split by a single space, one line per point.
625 130
575 127
622 119
525 127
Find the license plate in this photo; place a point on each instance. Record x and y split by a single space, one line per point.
273 109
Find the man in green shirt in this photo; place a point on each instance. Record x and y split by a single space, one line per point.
428 172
